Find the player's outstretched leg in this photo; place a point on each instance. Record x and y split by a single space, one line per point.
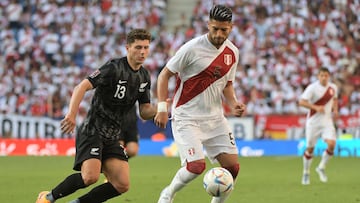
100 193
183 176
166 196
68 186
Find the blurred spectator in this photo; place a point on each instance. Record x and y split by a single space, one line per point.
47 46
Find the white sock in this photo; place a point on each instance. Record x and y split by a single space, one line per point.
307 163
182 177
324 159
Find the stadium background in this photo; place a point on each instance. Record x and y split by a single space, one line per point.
48 46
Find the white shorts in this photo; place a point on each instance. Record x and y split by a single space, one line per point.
313 132
195 139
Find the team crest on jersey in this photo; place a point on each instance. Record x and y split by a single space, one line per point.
227 59
95 73
142 87
191 151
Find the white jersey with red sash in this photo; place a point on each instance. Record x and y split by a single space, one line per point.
318 94
202 73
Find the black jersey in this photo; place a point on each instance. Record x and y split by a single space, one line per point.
118 87
130 120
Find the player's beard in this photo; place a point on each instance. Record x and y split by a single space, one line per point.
217 41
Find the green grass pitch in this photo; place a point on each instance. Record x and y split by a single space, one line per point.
261 180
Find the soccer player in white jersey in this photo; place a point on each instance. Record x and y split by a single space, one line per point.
205 68
320 97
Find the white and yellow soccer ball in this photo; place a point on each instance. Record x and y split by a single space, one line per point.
218 181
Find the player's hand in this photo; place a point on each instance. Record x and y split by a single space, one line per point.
320 109
68 124
161 119
239 109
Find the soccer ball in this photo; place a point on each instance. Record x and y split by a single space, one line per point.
218 181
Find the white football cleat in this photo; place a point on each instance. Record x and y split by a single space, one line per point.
165 197
322 175
305 179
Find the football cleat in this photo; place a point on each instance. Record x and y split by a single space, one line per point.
42 197
305 179
165 197
322 175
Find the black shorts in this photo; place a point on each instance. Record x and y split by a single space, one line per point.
90 145
130 133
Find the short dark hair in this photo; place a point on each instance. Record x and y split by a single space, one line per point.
137 34
324 69
220 13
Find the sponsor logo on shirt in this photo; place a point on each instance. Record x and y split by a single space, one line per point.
122 81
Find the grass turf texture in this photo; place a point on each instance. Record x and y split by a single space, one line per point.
261 180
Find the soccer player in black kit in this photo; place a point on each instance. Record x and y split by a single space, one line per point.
118 84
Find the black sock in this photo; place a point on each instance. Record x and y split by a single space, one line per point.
68 186
100 193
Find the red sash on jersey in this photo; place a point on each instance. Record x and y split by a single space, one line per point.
324 99
198 83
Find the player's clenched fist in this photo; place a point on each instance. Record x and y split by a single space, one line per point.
239 109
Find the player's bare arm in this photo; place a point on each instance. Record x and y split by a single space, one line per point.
307 104
147 111
237 108
69 122
161 117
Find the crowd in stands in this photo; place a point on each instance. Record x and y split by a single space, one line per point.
48 46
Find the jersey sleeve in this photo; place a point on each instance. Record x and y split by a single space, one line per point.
234 66
146 96
101 76
307 94
179 60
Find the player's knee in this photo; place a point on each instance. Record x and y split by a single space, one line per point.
196 167
131 153
309 150
331 145
234 170
90 179
132 149
308 154
121 187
